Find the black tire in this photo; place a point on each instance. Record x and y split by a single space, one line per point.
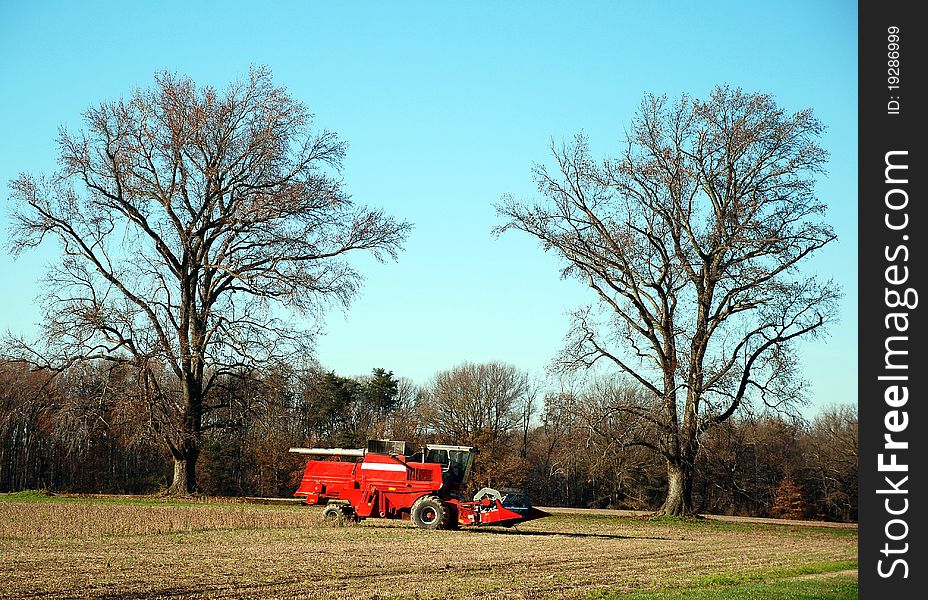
452 520
429 512
349 515
333 515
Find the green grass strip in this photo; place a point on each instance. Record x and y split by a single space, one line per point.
837 587
772 573
760 584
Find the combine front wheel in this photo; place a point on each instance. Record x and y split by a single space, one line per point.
429 512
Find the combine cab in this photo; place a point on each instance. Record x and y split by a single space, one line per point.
425 487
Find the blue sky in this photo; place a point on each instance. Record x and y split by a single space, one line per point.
446 108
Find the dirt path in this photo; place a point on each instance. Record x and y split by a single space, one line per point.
644 513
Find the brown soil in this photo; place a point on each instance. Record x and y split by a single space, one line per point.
102 549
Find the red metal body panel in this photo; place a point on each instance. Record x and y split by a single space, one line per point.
386 486
380 485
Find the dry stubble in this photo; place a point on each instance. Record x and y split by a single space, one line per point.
99 549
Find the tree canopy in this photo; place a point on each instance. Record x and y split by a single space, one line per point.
691 238
198 228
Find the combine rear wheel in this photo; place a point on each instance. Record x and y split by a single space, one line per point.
429 512
337 515
333 515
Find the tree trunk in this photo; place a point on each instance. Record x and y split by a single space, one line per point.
185 474
187 451
679 502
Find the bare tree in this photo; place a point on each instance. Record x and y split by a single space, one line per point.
584 451
483 405
188 219
476 402
691 240
403 423
831 456
25 398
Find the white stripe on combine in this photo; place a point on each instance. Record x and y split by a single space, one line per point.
383 466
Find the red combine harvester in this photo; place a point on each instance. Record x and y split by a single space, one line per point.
425 487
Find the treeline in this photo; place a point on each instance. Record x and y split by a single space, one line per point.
89 430
766 465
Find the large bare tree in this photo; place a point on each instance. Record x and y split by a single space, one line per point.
487 405
196 226
691 239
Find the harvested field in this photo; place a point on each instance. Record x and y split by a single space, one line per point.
76 548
